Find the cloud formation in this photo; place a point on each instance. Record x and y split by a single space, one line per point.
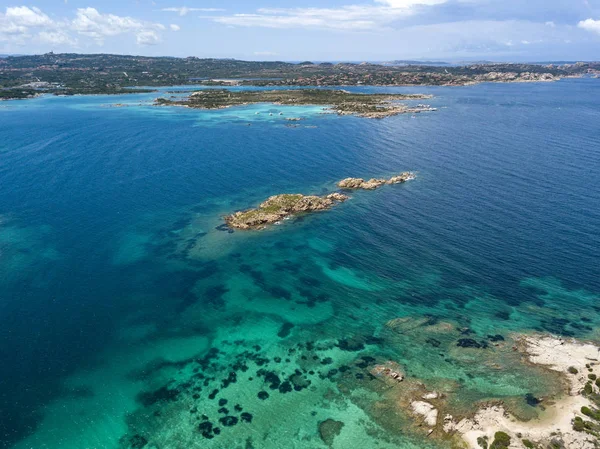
410 3
184 10
90 22
22 24
354 17
590 25
354 29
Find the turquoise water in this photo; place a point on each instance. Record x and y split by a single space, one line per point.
123 308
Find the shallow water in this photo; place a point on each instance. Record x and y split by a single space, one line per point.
115 283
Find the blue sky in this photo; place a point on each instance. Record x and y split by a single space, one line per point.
353 30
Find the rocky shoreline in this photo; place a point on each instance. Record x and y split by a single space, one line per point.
280 207
572 421
568 420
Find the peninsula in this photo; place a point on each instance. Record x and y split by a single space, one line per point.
280 207
340 101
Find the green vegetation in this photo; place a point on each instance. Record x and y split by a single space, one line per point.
16 94
371 105
572 370
501 441
279 207
103 73
482 442
592 376
528 444
557 444
594 414
581 425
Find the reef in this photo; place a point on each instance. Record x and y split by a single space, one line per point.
329 429
340 101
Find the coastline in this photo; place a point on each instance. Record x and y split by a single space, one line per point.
556 423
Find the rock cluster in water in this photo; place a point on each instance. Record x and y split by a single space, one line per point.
280 207
374 183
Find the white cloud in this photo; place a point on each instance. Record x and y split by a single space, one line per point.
56 38
27 17
20 24
184 10
590 25
16 22
174 27
358 18
147 37
90 22
410 3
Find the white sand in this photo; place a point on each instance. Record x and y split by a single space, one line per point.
556 354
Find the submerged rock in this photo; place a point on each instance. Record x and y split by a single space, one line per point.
389 370
229 421
470 343
329 429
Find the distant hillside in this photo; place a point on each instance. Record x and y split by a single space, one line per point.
72 73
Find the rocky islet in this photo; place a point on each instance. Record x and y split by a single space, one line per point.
280 207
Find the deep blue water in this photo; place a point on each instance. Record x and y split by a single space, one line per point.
506 206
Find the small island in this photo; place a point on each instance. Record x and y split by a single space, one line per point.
374 183
280 207
341 102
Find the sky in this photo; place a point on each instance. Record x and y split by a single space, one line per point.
316 30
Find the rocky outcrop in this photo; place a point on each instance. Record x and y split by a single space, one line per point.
374 183
426 410
279 207
515 77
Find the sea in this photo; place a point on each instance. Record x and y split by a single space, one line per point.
131 318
